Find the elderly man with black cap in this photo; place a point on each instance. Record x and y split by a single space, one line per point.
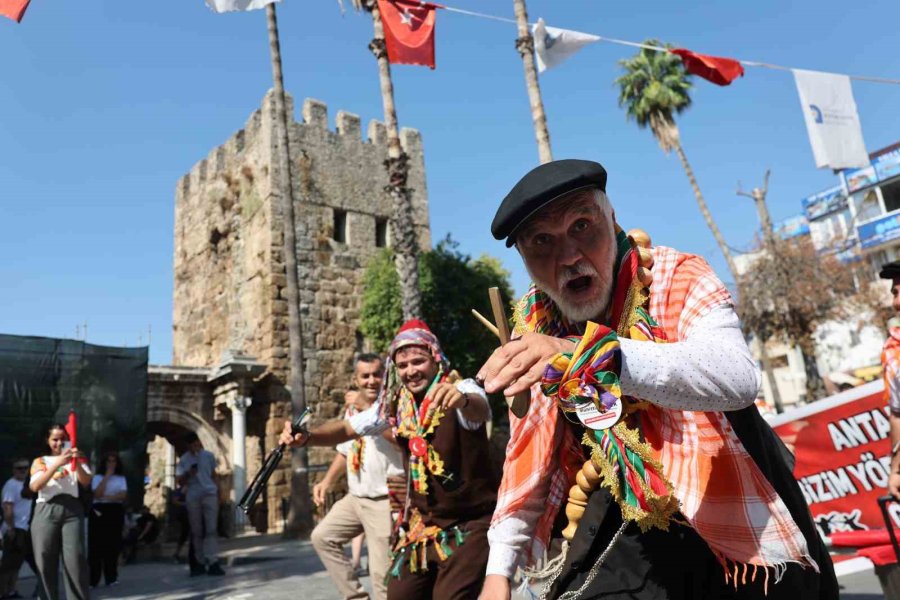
641 419
890 362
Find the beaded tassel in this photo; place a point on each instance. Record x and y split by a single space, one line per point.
413 559
445 546
395 571
460 536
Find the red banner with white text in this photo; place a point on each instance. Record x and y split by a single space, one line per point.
842 448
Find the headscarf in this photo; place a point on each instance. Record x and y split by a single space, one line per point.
414 332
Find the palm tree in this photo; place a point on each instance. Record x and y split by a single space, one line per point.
405 241
300 516
525 46
653 89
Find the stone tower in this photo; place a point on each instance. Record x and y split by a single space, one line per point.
229 289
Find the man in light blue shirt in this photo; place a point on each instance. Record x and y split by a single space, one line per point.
195 471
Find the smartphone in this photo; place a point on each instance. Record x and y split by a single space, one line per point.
66 445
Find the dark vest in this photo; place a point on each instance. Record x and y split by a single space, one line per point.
678 564
470 492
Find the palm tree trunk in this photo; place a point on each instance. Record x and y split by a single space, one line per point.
404 239
729 260
525 46
704 210
300 516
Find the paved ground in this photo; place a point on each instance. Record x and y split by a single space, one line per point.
268 568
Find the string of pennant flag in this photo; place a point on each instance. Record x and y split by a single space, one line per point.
829 109
827 99
553 45
411 25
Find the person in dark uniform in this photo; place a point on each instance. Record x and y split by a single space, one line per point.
641 420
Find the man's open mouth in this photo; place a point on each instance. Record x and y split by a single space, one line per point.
579 284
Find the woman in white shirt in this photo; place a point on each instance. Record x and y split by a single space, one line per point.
106 519
58 522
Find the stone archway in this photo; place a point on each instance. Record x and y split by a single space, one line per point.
161 418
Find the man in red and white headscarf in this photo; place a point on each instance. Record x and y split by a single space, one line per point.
641 419
438 419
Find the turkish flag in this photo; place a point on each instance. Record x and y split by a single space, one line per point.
14 9
721 71
409 31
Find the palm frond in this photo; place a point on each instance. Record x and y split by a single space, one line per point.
653 88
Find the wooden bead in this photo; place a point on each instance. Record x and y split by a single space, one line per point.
569 532
580 503
583 483
576 494
590 474
644 276
640 237
574 512
646 257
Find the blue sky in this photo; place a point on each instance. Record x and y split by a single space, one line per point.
105 104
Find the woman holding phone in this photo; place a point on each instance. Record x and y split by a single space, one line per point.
57 526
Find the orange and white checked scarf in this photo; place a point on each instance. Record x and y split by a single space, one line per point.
890 363
737 512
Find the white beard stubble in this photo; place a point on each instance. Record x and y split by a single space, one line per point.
586 311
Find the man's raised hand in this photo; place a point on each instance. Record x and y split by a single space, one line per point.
445 396
289 438
516 366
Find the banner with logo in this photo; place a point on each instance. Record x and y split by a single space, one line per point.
831 119
857 179
842 450
887 165
876 233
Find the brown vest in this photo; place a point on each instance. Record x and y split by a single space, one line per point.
468 489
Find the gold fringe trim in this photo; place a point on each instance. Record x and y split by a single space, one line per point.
662 508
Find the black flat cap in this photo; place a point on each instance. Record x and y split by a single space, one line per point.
541 186
890 270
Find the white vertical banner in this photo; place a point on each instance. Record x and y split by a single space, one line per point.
221 6
553 45
831 119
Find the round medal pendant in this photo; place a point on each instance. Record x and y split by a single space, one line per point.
591 417
418 446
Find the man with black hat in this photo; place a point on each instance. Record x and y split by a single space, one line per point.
641 418
890 363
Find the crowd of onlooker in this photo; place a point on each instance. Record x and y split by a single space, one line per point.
59 511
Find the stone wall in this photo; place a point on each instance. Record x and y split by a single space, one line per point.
229 292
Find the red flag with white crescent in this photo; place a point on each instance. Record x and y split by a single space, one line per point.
719 70
13 9
409 31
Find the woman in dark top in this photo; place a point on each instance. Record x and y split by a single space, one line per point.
107 519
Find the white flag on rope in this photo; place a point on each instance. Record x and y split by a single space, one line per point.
221 6
831 119
553 46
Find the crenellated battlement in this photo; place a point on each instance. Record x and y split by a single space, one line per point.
347 127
